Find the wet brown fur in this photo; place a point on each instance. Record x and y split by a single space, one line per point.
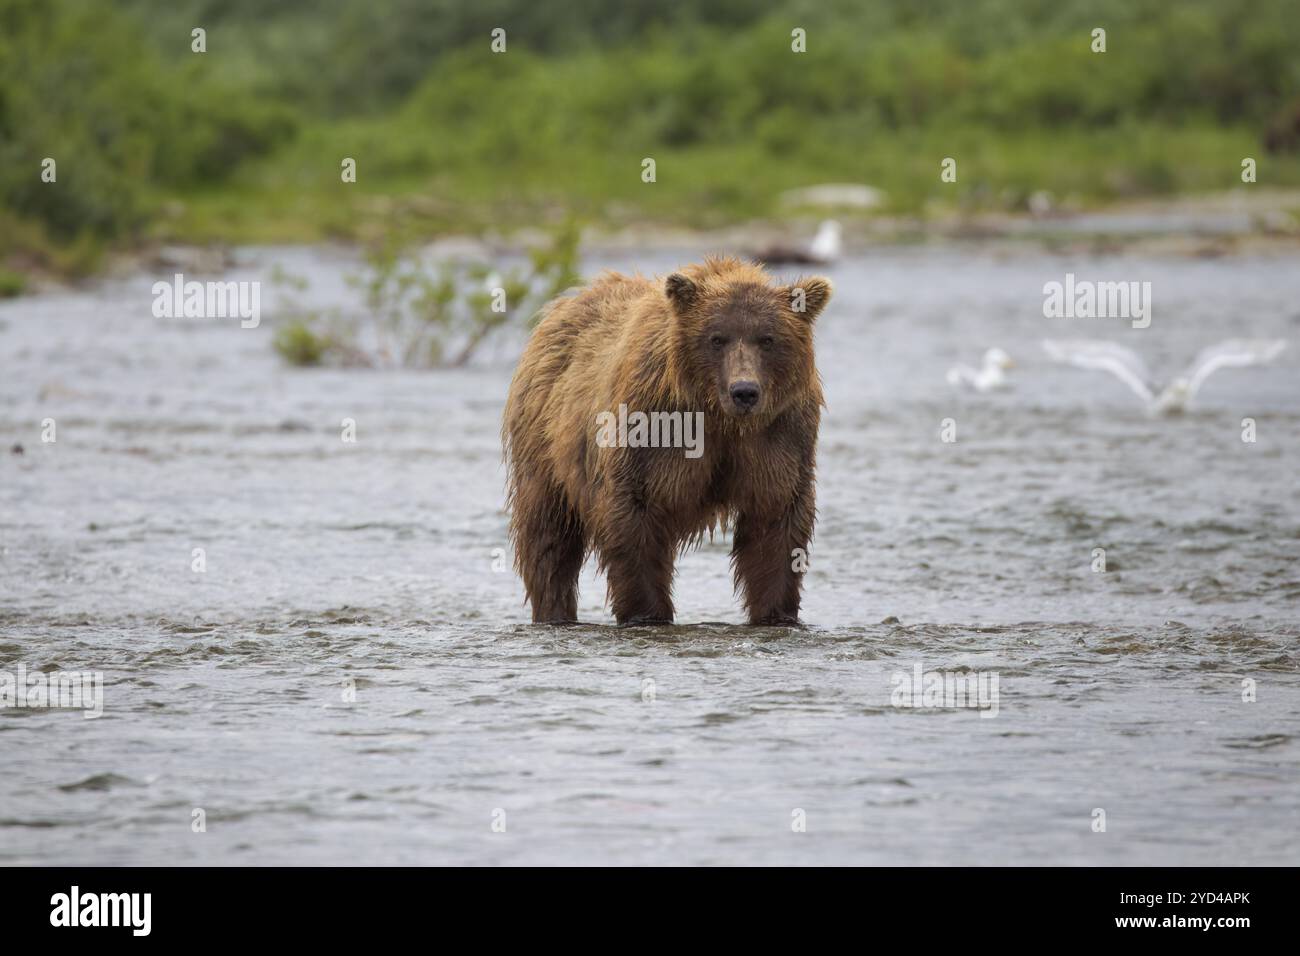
655 346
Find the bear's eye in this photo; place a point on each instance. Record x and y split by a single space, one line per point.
717 341
765 342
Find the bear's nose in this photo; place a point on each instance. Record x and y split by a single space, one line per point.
745 395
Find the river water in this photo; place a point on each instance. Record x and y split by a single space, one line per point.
351 678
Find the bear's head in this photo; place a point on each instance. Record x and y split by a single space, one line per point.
743 346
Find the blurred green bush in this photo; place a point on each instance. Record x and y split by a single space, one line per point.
243 142
80 85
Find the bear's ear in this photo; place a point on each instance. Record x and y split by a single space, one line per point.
809 296
681 291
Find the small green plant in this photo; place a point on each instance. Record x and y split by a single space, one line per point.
420 315
298 344
558 262
11 284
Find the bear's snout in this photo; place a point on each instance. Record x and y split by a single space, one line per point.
744 395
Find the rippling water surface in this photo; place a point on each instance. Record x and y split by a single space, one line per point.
366 570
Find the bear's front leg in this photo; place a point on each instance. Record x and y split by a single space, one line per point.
634 541
641 581
638 562
767 551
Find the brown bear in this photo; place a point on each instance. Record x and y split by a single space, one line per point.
718 345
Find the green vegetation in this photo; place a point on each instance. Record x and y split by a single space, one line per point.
417 315
244 142
11 284
299 345
125 130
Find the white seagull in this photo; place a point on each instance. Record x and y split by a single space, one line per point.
992 374
1175 397
825 249
827 244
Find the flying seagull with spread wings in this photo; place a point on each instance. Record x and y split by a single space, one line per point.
1175 397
